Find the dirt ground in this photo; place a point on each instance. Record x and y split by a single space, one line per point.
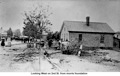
17 59
100 61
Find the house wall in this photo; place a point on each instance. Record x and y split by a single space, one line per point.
108 40
92 40
65 34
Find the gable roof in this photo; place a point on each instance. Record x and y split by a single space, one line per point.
93 27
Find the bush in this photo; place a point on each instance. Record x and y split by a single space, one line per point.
73 49
30 45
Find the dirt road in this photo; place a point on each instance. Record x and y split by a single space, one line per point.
14 59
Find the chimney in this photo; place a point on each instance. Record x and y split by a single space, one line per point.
87 20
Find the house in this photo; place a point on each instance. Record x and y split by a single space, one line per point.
92 34
3 33
117 41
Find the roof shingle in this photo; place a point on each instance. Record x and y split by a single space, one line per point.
93 27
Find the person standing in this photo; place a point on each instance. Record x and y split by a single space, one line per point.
65 44
9 41
59 43
54 44
81 47
50 43
3 43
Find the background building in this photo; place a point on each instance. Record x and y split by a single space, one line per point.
3 33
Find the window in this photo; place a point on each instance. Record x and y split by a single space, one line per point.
80 37
102 39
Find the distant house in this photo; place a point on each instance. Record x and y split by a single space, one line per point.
117 41
3 33
92 34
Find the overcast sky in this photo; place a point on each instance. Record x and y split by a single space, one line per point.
11 12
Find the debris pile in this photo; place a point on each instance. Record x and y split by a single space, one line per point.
26 56
99 57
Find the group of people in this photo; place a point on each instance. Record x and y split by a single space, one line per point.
3 40
64 45
54 44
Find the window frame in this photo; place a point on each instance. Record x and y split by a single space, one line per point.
102 38
80 37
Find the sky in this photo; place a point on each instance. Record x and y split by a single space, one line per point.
108 11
